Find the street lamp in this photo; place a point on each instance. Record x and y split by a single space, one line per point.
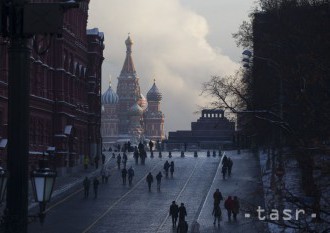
42 181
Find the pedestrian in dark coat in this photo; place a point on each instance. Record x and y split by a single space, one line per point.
103 158
103 174
182 227
140 147
182 212
159 180
149 180
230 166
124 159
224 171
130 175
229 207
172 168
166 167
151 145
123 175
143 155
118 160
217 214
224 161
174 212
96 186
217 196
136 155
129 146
86 184
236 207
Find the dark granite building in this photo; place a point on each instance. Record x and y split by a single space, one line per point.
211 131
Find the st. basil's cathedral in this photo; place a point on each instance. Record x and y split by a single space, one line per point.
127 115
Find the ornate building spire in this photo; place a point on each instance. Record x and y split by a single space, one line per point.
128 67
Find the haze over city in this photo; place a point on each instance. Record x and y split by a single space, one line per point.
181 44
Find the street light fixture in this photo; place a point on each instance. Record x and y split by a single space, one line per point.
43 181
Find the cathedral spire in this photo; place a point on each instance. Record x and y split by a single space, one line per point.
128 67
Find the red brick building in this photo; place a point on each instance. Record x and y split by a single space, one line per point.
65 88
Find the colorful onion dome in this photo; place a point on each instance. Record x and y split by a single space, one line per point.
109 97
154 94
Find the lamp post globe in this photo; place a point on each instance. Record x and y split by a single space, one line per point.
43 181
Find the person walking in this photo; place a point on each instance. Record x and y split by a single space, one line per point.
118 160
149 180
123 175
103 174
86 184
229 165
229 207
143 155
136 155
224 171
96 186
166 167
216 213
217 196
235 207
224 160
151 145
159 180
172 168
124 159
130 175
182 212
103 158
174 212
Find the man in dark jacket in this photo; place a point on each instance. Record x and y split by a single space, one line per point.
159 180
86 184
123 175
151 145
174 212
130 175
166 167
217 196
182 212
149 180
96 186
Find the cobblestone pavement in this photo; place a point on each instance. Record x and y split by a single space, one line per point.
120 208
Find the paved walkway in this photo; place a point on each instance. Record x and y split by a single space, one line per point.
245 183
194 182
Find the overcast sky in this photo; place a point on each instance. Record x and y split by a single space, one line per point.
180 43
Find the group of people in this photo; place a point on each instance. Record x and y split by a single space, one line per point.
167 167
181 212
227 165
231 205
87 183
127 172
96 161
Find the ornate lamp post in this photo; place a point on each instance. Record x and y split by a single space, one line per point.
43 181
20 20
